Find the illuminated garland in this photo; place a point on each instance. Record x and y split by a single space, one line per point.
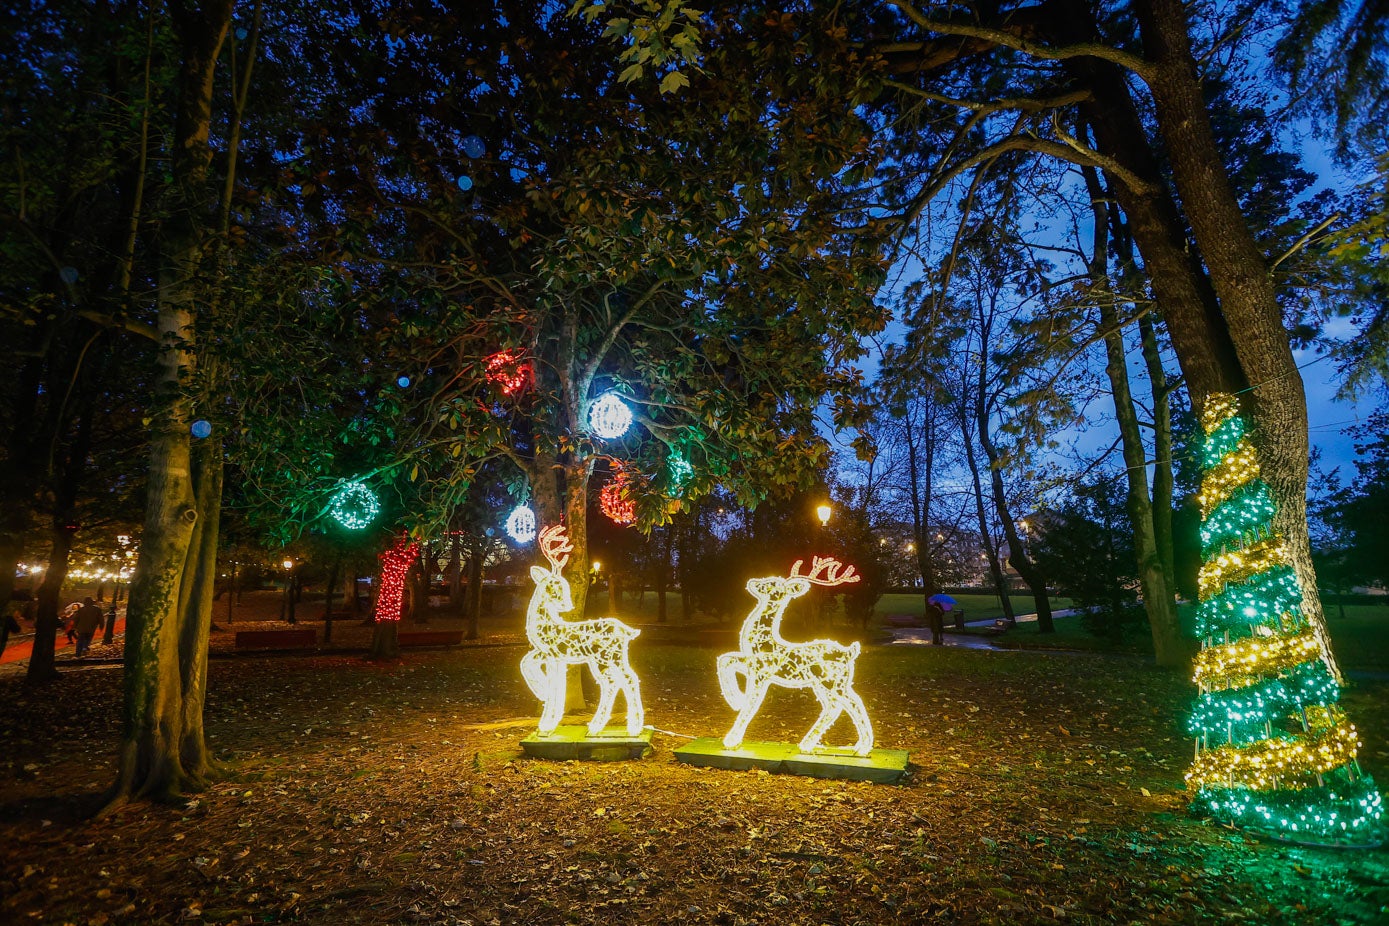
679 470
616 501
1276 762
557 643
520 524
1273 749
765 658
1228 666
395 563
1259 600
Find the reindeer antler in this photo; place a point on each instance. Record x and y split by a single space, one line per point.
827 565
554 543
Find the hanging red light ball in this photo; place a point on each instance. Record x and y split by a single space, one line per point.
615 500
395 563
510 371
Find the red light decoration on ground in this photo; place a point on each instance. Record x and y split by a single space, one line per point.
510 371
395 563
613 498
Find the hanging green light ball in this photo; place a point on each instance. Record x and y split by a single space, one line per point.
354 506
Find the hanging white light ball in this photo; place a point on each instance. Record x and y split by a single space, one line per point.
520 524
609 416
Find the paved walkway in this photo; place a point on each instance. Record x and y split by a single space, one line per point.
21 645
921 636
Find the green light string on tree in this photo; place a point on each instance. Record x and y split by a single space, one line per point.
1274 751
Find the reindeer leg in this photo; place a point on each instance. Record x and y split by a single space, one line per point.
859 714
607 694
554 697
631 692
756 691
830 709
730 664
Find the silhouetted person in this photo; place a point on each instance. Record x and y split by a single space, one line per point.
8 626
935 617
85 623
110 634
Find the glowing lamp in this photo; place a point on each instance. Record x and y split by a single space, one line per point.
473 146
465 183
609 417
201 429
354 506
403 382
288 564
557 643
823 512
765 658
520 524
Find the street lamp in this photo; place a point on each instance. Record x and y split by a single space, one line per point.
823 512
287 605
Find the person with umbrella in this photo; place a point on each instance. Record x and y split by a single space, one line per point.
936 606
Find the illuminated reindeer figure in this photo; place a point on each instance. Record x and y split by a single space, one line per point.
765 659
557 644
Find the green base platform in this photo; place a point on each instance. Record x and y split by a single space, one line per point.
881 766
573 742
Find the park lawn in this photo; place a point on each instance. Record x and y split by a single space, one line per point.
1360 639
978 606
1046 786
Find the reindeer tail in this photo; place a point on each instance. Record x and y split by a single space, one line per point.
853 650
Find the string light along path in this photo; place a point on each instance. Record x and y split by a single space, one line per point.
557 644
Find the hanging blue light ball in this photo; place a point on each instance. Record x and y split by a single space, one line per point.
68 275
403 382
241 33
465 183
201 428
473 146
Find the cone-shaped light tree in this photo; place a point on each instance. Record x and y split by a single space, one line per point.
1274 750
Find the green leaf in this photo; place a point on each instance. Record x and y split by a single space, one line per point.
630 73
673 81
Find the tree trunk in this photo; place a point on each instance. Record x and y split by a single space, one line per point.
197 610
330 591
1239 273
1159 602
475 562
663 571
981 513
1017 553
561 496
149 756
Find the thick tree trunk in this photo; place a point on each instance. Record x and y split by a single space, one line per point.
149 756
561 496
197 611
1162 450
1239 273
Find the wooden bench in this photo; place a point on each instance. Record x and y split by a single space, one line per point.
276 639
429 637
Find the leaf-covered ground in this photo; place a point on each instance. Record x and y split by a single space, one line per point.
1046 787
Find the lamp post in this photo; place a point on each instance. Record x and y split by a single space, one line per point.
823 512
287 604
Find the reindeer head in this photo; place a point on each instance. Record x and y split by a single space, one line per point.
823 571
550 583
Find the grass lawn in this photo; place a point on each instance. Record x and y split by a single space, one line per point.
1045 787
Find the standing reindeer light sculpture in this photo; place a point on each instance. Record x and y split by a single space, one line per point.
557 643
765 659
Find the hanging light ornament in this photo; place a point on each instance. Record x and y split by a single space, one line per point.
679 470
609 417
615 500
354 506
520 524
509 371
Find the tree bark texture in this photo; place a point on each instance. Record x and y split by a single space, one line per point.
1240 275
154 718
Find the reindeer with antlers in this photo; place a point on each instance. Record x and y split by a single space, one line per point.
557 643
765 659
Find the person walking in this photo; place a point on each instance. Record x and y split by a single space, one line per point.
8 625
935 617
65 620
85 623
